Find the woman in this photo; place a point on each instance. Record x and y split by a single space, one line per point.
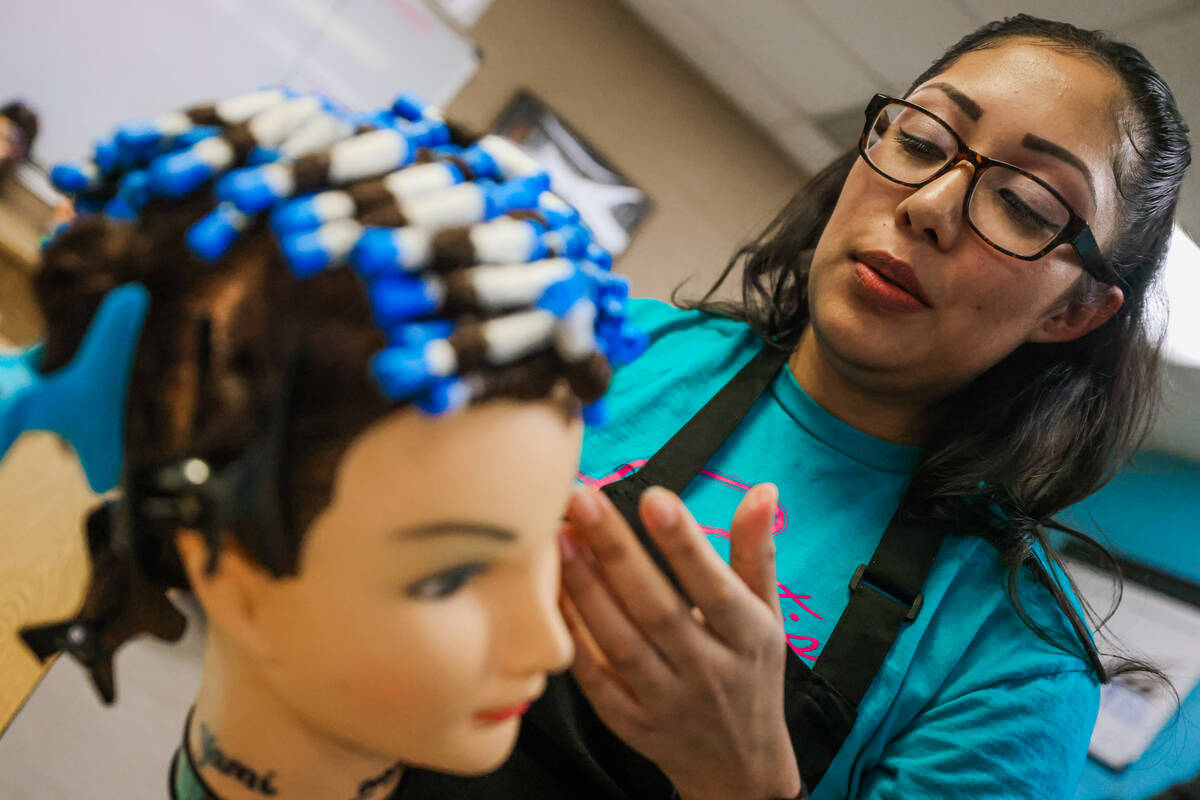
379 584
966 335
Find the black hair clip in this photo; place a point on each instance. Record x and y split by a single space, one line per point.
131 543
121 603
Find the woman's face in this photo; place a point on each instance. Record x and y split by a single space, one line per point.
979 304
424 615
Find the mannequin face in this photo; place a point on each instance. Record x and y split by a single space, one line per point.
424 614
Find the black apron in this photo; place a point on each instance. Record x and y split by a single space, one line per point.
565 751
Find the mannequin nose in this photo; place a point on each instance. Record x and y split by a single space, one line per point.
935 210
538 638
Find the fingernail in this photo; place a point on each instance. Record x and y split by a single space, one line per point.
661 507
769 495
584 506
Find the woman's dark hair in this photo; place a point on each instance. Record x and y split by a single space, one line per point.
23 117
24 120
1051 423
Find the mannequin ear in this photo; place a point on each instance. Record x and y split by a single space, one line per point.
1079 317
232 595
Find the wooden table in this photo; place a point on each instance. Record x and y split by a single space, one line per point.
44 568
44 496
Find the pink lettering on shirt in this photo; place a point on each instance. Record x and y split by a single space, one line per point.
802 646
780 522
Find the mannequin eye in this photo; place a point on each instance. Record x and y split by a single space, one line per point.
444 584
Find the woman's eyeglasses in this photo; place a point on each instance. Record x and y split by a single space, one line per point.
1012 210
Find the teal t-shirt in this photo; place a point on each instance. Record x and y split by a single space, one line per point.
970 703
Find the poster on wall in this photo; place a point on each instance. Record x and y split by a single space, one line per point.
1158 620
608 203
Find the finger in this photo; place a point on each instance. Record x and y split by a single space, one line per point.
608 693
618 640
585 641
725 602
648 598
752 544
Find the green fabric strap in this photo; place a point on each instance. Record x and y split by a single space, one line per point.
185 784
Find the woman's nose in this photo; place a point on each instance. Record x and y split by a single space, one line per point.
936 209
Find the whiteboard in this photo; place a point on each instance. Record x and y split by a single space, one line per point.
86 65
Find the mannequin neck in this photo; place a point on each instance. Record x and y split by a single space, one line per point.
244 743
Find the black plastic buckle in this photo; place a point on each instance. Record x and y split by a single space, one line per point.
913 610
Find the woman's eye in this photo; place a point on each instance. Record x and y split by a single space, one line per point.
444 584
921 148
1021 213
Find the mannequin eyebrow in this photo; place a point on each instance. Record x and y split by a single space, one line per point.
456 527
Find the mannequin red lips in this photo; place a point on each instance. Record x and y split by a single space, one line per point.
501 714
889 281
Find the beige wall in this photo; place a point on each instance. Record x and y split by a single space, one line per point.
714 178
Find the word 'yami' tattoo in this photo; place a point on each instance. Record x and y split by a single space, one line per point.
367 788
211 754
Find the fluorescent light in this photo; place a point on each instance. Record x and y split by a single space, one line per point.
1181 286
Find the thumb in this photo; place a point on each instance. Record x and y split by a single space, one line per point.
752 546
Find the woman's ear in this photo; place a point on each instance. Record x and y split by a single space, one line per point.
1079 317
232 595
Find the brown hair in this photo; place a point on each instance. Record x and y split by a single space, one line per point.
215 347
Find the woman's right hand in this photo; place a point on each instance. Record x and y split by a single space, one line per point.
700 694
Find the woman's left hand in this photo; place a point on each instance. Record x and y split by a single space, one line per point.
699 691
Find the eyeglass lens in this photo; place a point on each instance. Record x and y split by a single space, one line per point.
1007 207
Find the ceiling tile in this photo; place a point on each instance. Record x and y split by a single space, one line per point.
897 41
1086 13
717 59
792 49
806 143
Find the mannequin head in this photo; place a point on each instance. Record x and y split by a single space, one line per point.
424 606
424 592
380 585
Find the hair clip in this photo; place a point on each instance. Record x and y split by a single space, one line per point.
144 134
358 198
408 210
121 603
365 155
387 251
179 174
95 379
484 289
312 251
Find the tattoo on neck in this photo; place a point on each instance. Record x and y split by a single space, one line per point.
210 753
367 788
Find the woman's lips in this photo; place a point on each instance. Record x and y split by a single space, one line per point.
888 281
501 714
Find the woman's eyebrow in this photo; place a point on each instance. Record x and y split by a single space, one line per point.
1032 142
1062 154
968 106
456 527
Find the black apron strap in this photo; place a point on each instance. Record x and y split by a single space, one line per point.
885 594
686 453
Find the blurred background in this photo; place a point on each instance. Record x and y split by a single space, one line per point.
680 127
